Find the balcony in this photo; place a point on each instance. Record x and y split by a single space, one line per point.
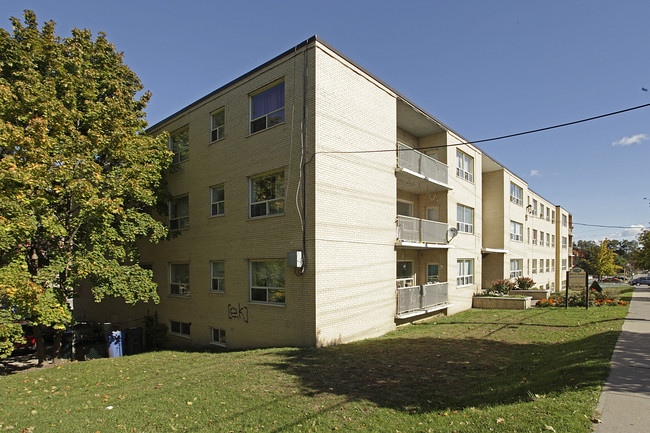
419 173
417 300
416 232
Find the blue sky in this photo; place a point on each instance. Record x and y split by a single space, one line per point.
484 68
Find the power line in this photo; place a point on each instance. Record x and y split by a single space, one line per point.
502 137
640 226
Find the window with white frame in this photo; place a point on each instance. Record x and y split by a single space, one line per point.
516 230
516 268
528 234
516 194
548 214
553 241
179 279
541 238
534 207
267 281
465 273
218 125
548 239
465 219
432 273
267 107
553 217
179 144
534 237
217 277
564 220
267 194
564 264
179 213
217 200
404 208
218 336
552 265
405 274
548 265
541 210
534 266
179 328
564 242
464 166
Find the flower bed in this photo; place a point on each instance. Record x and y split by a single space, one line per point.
502 302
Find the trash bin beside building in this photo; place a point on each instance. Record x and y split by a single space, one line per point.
114 342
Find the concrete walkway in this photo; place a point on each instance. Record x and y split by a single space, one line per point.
625 401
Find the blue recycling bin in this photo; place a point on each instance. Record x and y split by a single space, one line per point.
114 340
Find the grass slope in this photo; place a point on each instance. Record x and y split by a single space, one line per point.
490 370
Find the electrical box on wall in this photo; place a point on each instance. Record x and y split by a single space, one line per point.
294 259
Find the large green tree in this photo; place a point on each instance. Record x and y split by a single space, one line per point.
79 178
642 255
603 262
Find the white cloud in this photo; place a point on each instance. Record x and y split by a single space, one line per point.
535 173
628 141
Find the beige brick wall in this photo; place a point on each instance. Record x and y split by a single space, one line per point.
355 203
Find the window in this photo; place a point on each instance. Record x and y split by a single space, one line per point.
541 210
553 241
179 213
465 166
552 265
180 328
528 234
541 238
564 264
433 213
553 217
534 207
267 194
405 275
548 265
179 143
218 277
516 194
404 208
534 266
267 281
432 273
267 108
465 219
534 237
179 279
465 272
548 214
218 336
548 239
564 242
516 230
516 268
217 129
564 221
217 200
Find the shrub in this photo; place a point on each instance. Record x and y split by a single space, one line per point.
501 287
524 283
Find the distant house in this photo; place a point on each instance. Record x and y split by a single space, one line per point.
315 205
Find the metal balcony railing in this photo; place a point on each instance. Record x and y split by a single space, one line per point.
417 162
411 229
416 298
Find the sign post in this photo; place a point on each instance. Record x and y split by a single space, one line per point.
577 279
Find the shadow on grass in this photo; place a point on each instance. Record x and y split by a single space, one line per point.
431 374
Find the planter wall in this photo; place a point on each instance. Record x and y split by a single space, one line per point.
501 303
536 294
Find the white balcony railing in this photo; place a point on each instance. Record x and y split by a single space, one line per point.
421 164
410 299
417 230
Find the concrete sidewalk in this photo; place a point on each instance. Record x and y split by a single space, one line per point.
625 401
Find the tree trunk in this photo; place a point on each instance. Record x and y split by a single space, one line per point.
56 350
40 344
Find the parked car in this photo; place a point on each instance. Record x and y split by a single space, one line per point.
30 340
640 280
611 280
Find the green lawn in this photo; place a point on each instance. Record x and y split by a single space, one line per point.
478 371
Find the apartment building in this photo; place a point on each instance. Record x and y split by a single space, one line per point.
313 205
